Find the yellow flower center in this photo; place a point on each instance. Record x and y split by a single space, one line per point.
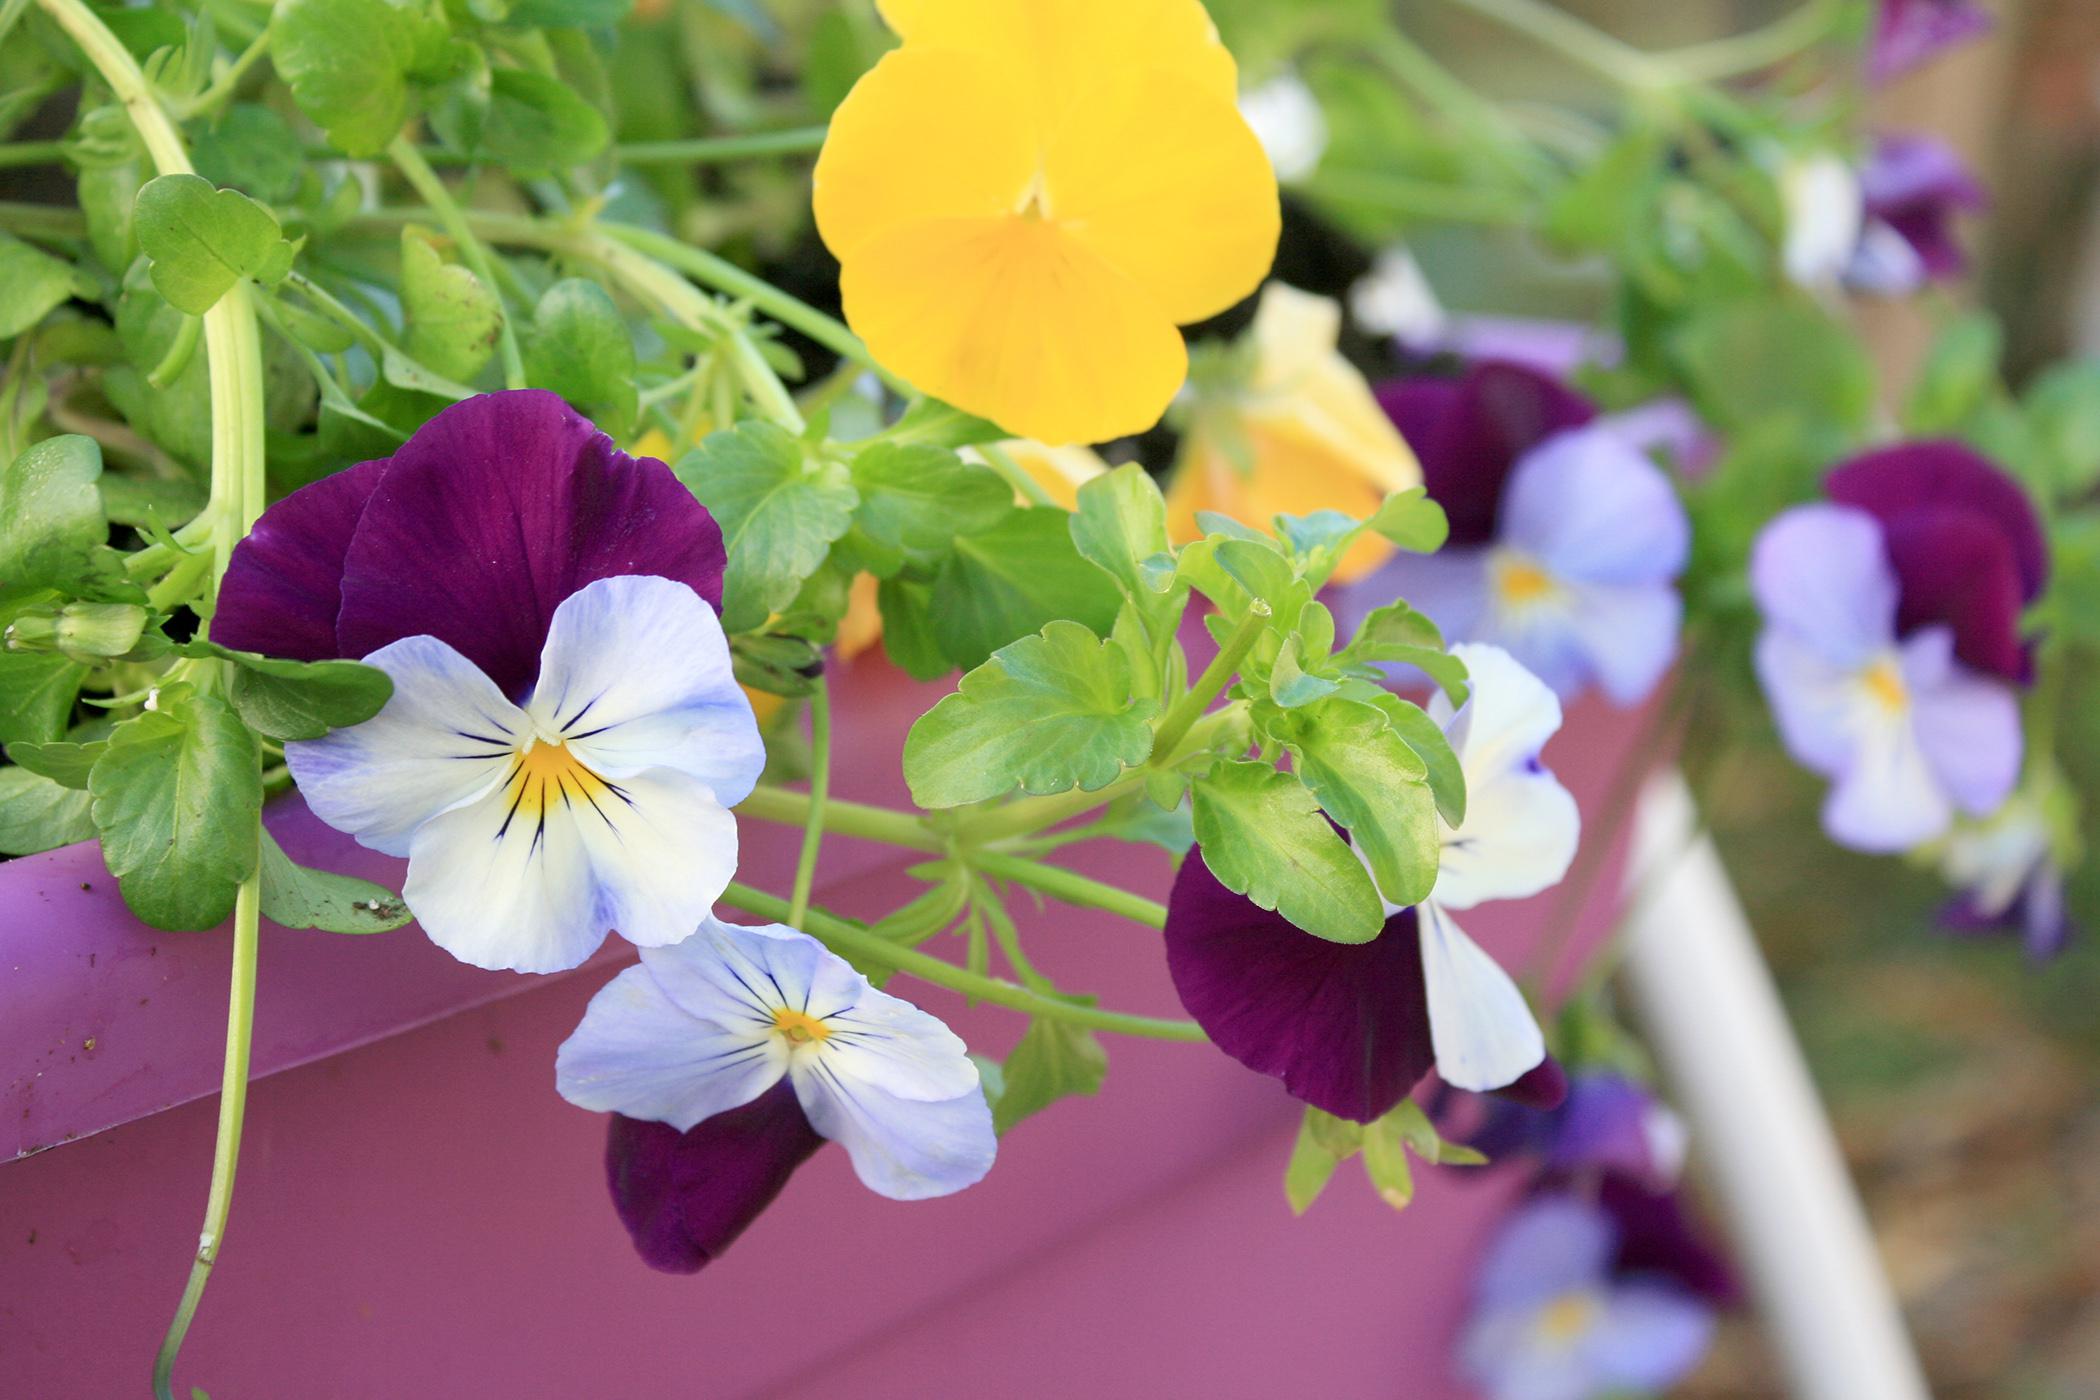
1884 683
1567 1317
546 772
800 1027
1034 202
1519 582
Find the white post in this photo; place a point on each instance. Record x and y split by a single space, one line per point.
1730 1058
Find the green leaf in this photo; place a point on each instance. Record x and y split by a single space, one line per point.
66 764
177 798
907 628
1014 579
348 63
32 283
1262 835
1311 1167
537 123
253 150
938 424
1751 363
1958 376
51 524
1046 714
1053 1060
296 897
1413 1127
1233 572
1611 195
2063 409
300 699
36 696
452 318
202 241
1397 632
780 509
1412 521
918 498
37 814
1121 526
1370 781
1385 1163
1290 684
581 349
1447 780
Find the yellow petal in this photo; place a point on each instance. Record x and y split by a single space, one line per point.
1168 184
653 443
861 627
1060 471
1066 43
925 134
1289 477
1304 391
1010 320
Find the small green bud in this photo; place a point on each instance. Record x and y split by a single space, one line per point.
90 633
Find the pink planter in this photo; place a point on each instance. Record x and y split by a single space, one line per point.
419 1215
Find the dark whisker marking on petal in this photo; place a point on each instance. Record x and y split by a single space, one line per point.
564 724
784 998
515 801
588 733
482 739
756 999
609 826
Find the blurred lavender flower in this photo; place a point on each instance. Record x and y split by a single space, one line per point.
1911 189
1553 1320
1565 537
2008 877
1909 33
1609 1122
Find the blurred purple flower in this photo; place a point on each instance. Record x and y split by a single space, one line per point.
1565 537
1908 33
2008 879
1552 1321
1608 1123
1908 734
1912 188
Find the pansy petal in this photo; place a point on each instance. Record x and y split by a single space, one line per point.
1811 698
1968 727
1551 1245
1957 569
1893 481
494 512
731 972
1449 587
284 583
1647 1338
889 1045
1887 798
685 1197
1657 1235
636 674
1012 320
1628 633
661 848
1908 33
1508 718
445 737
1484 1033
1468 433
905 1149
1821 572
638 1053
1168 185
1062 44
1519 837
980 168
505 888
1591 507
1344 1026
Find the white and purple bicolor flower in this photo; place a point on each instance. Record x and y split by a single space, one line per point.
2008 877
565 737
749 1047
1565 540
1352 1028
1553 1319
1886 229
1610 1123
1909 33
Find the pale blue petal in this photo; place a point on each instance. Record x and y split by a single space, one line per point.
1822 573
1812 699
1968 725
1449 587
505 891
1592 508
1484 1034
636 674
1628 633
729 971
1549 1246
1647 1338
639 1053
445 737
1502 1355
905 1149
1887 799
893 1046
661 851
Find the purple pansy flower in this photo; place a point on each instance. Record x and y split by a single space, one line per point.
1911 189
2008 878
1351 1028
1891 629
1552 1320
1609 1122
703 1037
1565 537
565 737
1908 33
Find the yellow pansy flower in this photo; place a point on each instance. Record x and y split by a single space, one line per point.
1030 196
1303 433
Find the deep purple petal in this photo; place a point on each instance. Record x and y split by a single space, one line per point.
2038 915
685 1197
1543 1087
1909 33
1892 481
498 509
1658 1236
1604 1125
1916 185
1956 569
284 584
1468 432
1344 1026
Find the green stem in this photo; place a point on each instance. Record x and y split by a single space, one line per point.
17 153
224 86
1070 887
1799 29
409 161
1002 462
1421 199
772 804
851 941
1450 97
226 1150
1587 45
1216 676
49 222
713 150
180 349
819 795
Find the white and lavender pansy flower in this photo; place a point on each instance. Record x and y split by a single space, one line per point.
1824 212
2008 873
1552 1320
1566 539
712 1024
565 737
1287 120
1908 735
1352 1028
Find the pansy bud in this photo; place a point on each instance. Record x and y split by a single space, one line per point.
89 633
